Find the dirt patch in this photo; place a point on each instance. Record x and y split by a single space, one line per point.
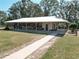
69 33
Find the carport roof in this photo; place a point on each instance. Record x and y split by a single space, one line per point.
37 19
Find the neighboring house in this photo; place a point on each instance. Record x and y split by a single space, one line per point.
49 23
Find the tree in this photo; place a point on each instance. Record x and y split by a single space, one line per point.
61 9
49 6
25 8
14 11
73 10
32 9
69 10
73 28
3 17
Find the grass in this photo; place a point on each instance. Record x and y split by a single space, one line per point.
66 47
10 40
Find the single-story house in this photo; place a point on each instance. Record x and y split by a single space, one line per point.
49 23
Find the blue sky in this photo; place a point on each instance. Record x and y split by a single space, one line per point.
5 4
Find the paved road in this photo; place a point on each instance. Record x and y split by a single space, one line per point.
26 51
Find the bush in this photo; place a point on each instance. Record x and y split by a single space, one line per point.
6 28
78 25
73 27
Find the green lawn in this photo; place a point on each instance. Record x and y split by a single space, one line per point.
10 40
66 47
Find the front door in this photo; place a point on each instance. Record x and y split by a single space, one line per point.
46 27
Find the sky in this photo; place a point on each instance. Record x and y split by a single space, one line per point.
5 4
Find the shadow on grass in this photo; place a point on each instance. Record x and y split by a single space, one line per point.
33 32
61 35
38 32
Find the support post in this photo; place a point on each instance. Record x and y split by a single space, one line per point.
36 26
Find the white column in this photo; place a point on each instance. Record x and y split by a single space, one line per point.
36 26
44 25
26 26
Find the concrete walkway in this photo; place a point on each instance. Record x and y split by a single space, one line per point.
26 51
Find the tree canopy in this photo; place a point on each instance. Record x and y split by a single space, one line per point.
68 10
48 6
25 8
3 17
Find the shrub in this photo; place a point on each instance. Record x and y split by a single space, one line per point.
6 28
73 27
78 24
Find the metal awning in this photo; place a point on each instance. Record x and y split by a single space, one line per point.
37 19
